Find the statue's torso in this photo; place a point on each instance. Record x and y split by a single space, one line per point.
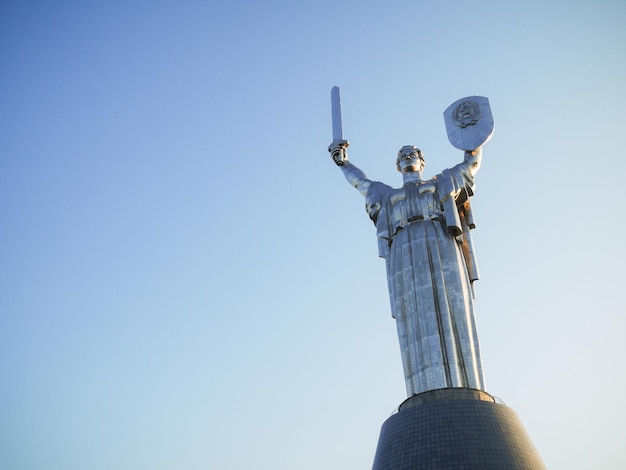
413 202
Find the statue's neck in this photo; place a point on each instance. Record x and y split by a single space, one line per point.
411 176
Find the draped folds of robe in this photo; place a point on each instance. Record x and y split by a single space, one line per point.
423 233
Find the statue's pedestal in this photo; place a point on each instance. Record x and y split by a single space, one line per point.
455 428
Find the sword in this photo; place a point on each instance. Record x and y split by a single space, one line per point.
335 103
339 144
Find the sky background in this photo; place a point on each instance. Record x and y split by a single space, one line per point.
186 279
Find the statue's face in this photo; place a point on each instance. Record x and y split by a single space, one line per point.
410 161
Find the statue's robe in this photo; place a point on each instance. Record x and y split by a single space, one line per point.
423 232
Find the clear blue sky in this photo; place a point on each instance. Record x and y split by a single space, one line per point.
187 281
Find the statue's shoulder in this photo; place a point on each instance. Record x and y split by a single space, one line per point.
378 190
375 199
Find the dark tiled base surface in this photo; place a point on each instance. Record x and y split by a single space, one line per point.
454 429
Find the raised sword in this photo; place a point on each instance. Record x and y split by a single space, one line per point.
335 103
339 144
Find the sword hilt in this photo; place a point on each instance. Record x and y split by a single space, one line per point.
338 151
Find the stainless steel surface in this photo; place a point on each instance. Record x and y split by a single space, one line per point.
423 231
335 101
338 148
469 122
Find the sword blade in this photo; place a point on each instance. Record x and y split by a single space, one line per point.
335 103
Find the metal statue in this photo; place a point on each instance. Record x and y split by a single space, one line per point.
423 231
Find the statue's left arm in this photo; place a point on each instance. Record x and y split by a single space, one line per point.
456 185
472 159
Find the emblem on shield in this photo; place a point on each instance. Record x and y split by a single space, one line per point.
469 122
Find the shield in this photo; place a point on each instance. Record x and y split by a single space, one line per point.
469 122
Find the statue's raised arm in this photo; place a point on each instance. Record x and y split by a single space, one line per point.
353 174
473 159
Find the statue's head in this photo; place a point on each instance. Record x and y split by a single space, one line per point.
410 158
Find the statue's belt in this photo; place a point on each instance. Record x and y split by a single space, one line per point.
417 218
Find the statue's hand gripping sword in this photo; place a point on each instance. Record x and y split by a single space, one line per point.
338 148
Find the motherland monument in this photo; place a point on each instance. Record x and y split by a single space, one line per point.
424 234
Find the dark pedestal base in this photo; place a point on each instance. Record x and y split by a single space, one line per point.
455 428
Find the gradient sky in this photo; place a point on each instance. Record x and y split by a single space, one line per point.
186 279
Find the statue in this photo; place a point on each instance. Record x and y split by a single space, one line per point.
423 231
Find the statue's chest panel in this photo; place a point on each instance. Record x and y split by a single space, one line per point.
415 201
